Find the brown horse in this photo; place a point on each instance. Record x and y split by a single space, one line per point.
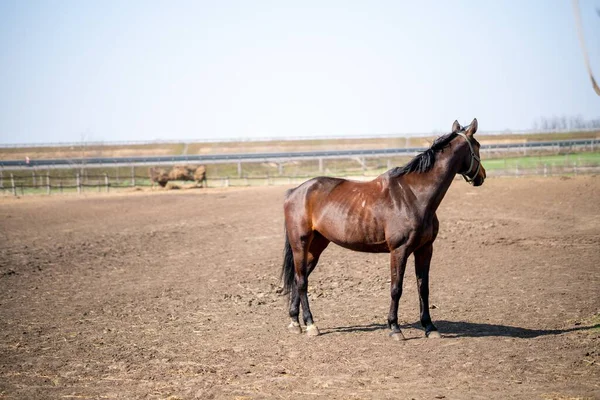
394 213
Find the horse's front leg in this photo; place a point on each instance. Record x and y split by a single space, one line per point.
422 264
398 258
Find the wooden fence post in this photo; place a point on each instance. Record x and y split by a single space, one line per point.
33 178
78 183
132 175
48 182
1 180
12 182
106 181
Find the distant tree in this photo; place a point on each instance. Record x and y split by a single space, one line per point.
564 123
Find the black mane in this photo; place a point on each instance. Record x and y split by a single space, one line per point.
424 161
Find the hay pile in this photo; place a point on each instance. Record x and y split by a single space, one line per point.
159 175
179 173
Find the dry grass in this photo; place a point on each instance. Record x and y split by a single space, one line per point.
172 186
181 186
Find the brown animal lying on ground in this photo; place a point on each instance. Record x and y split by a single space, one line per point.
179 173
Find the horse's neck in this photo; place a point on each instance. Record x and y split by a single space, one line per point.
430 187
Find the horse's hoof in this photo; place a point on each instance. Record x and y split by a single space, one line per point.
398 336
312 330
433 335
294 327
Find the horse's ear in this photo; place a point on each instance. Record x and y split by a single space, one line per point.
456 127
472 128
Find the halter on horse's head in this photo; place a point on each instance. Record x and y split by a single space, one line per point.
475 174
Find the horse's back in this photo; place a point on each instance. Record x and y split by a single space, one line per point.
322 183
321 188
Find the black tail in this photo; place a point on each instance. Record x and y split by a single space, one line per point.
287 270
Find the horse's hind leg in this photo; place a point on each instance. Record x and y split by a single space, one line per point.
398 259
317 245
299 245
306 256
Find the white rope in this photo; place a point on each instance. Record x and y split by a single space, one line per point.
582 42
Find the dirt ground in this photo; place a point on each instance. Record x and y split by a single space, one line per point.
176 296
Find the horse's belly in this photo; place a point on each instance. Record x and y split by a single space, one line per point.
380 247
359 231
355 238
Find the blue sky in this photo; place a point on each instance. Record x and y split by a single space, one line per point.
146 70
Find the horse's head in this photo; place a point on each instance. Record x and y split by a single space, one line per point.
472 169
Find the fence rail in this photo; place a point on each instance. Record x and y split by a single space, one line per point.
62 163
223 170
45 184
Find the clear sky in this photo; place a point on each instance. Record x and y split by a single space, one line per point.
145 70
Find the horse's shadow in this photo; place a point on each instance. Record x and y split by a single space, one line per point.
467 329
